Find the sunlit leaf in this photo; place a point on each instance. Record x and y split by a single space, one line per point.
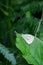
31 52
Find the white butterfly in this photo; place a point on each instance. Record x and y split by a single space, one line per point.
28 38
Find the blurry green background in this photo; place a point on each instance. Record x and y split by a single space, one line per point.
22 16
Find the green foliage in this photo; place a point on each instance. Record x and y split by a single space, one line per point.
7 55
24 17
31 52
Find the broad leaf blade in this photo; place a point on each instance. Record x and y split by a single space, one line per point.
31 52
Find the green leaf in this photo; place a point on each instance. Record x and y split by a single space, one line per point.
6 53
33 52
5 13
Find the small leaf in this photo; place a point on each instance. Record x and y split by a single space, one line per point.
5 13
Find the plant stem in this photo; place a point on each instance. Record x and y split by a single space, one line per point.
9 27
10 35
38 28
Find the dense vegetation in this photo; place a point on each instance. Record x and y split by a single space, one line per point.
24 17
